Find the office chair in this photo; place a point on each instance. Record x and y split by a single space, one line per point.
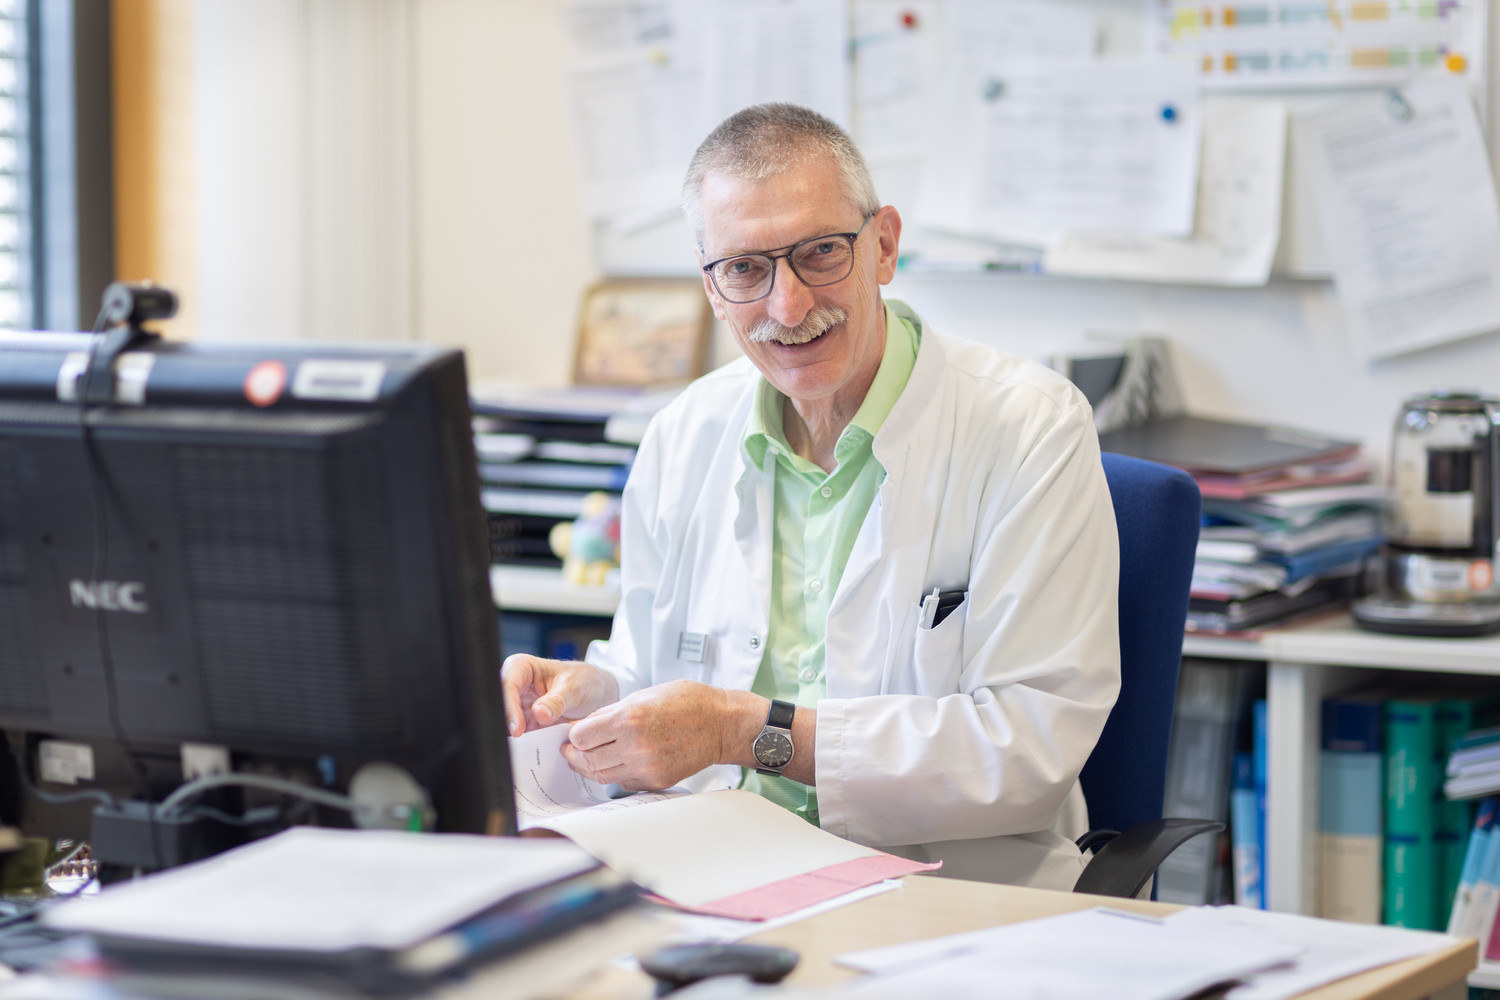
1157 510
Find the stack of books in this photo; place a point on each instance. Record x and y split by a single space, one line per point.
1392 848
1289 516
541 451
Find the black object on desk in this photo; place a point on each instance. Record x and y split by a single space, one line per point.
681 965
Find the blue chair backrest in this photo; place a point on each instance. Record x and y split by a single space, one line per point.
1157 511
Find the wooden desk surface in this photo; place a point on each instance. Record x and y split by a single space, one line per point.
928 906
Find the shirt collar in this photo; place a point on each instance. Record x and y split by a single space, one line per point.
765 428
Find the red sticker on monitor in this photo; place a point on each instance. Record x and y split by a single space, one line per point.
264 384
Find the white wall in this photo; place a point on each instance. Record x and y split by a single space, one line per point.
503 251
500 251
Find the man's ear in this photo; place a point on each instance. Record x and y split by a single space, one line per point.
708 287
888 233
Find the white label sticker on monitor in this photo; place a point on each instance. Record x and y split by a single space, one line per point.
355 381
70 375
132 371
65 763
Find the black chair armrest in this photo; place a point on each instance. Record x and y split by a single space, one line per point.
1126 862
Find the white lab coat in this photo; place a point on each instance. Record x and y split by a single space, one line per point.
959 743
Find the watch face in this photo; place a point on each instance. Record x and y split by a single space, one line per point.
773 749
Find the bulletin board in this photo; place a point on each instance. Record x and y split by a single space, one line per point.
1144 140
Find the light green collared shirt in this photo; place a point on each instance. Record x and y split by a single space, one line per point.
817 517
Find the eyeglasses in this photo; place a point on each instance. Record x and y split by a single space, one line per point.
820 261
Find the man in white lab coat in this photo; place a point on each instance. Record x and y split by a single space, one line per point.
868 571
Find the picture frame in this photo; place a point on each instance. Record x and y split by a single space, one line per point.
637 332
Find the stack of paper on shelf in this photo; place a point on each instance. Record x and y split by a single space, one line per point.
1289 517
1276 555
541 451
349 912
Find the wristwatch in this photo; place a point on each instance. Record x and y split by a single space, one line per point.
773 747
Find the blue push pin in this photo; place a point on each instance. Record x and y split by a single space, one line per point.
1168 114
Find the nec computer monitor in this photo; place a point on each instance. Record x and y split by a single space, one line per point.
270 555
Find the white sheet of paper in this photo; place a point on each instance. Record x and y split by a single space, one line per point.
1332 949
323 890
756 51
546 787
1033 150
545 784
978 32
1409 214
1238 214
1128 957
694 849
898 56
635 123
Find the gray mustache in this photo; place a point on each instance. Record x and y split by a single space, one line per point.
767 330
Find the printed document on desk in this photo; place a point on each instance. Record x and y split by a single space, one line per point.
1097 952
729 852
1330 949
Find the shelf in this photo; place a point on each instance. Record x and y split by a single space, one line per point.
1304 664
1337 641
535 588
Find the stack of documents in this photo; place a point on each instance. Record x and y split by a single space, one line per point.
1276 555
1131 956
1474 765
345 912
1289 516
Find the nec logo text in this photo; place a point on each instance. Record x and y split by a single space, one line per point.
109 595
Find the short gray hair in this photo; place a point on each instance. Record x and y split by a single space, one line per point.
765 140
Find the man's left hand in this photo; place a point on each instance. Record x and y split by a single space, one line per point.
660 735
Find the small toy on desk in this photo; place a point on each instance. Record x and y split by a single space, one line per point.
590 546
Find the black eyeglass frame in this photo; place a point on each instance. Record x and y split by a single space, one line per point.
786 252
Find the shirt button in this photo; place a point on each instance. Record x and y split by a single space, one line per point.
809 675
827 492
755 642
816 586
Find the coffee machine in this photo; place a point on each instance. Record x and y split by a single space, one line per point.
1442 520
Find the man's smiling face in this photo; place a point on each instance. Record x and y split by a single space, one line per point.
812 344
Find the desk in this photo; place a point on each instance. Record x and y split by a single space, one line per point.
928 906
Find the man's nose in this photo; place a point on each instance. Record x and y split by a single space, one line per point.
790 300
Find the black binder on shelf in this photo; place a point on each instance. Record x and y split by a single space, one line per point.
1225 447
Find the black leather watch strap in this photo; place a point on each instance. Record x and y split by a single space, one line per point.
781 714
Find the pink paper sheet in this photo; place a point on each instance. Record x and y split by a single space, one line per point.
801 891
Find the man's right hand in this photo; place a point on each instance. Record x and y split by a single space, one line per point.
540 692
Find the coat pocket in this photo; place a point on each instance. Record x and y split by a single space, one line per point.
938 654
927 661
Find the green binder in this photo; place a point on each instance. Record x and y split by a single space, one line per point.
1412 859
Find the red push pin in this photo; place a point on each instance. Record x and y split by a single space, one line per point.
909 20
